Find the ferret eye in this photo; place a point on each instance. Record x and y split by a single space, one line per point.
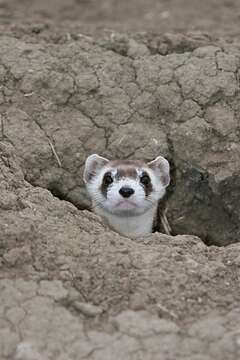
107 179
145 179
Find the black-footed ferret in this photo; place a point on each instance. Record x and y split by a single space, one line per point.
126 192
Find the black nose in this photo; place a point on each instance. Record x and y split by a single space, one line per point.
126 192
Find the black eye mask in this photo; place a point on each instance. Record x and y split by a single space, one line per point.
145 181
106 182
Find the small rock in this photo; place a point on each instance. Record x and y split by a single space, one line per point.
87 309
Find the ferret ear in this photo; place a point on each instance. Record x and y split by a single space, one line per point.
162 169
93 165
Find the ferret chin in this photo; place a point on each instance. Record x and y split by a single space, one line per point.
126 192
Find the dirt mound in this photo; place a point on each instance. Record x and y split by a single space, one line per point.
61 102
70 287
114 78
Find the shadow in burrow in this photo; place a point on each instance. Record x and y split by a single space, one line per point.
192 199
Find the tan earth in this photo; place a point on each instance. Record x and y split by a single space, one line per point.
126 79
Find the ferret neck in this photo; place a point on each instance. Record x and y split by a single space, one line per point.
130 226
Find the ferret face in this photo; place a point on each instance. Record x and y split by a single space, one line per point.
125 187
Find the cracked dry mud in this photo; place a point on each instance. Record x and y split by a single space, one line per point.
76 78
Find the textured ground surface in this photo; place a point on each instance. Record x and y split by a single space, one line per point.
127 79
71 289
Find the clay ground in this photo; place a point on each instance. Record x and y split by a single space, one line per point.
127 79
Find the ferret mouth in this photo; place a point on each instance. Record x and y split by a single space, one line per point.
126 205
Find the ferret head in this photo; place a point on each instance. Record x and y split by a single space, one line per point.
126 187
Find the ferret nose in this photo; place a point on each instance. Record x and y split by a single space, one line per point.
126 192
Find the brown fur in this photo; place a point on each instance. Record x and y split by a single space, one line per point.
126 172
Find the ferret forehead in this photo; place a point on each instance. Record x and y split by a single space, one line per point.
125 163
125 168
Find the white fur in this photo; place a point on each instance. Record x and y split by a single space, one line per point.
130 226
132 220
